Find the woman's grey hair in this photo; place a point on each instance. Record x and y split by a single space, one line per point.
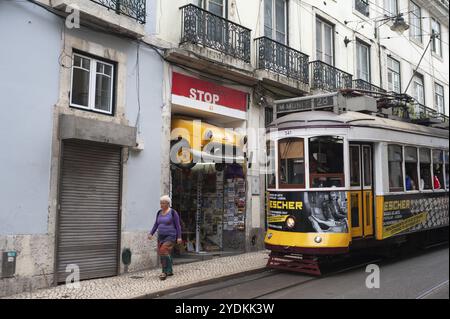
166 199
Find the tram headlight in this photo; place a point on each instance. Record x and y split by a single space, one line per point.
318 239
290 222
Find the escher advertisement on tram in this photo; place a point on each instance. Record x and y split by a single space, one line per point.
308 212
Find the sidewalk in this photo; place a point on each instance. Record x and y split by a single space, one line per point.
147 283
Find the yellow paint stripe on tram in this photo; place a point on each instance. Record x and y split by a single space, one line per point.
306 240
379 217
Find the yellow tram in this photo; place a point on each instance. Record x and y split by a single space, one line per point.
340 181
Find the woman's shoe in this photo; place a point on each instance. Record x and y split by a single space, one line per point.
169 274
163 276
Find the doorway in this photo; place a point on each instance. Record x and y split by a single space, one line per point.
361 203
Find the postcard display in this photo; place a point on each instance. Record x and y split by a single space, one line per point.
217 221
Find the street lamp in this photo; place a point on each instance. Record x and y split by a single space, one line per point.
399 24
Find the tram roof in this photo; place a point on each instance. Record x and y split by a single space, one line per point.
326 119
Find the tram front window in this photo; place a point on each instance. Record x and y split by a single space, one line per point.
292 162
326 161
270 147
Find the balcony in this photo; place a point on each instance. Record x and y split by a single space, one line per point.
204 28
122 16
362 6
421 112
135 9
328 78
367 86
279 58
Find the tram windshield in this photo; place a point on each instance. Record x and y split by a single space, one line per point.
270 149
326 161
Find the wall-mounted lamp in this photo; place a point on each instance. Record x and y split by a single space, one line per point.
347 41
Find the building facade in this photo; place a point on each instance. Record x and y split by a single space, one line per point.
81 105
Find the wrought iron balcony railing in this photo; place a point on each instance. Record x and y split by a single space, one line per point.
279 58
445 3
422 112
362 6
367 86
329 78
134 9
419 112
205 28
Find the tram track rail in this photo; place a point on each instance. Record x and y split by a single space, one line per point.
271 273
324 276
352 263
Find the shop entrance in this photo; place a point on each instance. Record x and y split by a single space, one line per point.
211 201
210 195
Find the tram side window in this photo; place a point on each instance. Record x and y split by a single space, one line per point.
425 169
395 158
446 171
292 162
411 162
270 148
326 161
438 169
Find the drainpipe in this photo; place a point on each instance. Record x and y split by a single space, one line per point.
377 36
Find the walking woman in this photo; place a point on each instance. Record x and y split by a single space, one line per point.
169 232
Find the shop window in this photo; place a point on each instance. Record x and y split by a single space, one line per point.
446 171
270 148
395 158
355 166
438 169
425 169
292 163
326 161
411 162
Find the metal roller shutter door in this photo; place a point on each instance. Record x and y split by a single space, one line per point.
89 215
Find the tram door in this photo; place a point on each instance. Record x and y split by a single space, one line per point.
361 190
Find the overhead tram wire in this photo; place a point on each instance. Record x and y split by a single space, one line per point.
429 63
420 61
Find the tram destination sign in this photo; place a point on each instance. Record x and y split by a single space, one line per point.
306 104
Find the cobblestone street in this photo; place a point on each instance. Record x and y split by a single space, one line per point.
144 283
